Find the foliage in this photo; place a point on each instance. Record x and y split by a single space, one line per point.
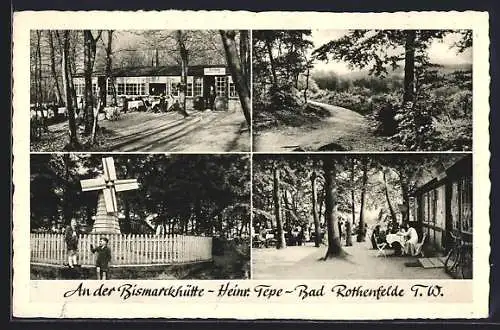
189 194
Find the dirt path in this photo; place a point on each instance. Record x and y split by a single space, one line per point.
343 130
302 262
202 131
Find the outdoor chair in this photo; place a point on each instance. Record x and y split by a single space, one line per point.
381 245
418 247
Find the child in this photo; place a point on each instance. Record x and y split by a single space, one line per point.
103 258
71 238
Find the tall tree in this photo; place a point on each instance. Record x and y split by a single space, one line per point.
90 48
238 72
67 78
388 199
53 67
368 48
361 224
281 243
334 243
183 52
317 238
409 78
109 66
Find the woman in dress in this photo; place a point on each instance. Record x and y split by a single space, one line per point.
411 237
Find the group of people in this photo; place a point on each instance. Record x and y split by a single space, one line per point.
103 252
407 232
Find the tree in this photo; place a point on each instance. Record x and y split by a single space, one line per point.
109 66
181 43
361 224
281 243
317 238
368 48
53 67
90 44
238 72
67 81
389 204
334 244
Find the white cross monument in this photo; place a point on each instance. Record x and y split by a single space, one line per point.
106 219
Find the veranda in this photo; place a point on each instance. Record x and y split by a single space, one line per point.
126 250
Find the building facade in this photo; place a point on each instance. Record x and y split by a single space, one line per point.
444 205
145 82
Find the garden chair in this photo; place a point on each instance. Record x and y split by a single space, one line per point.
418 247
381 245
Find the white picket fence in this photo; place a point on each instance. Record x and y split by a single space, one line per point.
50 248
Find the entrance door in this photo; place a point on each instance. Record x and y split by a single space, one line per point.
155 89
208 83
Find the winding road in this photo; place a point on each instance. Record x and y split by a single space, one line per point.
343 130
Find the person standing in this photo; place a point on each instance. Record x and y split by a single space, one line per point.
411 239
103 258
211 97
71 238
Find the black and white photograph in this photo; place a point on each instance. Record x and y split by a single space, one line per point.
140 90
362 216
362 90
139 216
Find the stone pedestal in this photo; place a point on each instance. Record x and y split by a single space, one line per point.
105 223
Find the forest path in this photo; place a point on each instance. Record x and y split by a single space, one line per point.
302 262
201 131
344 129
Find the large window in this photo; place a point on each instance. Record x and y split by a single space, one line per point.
198 86
220 85
174 91
232 89
121 89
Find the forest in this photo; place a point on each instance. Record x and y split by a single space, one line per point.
317 191
57 56
185 194
409 101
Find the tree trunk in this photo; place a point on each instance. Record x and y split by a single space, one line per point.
321 203
240 78
277 210
53 68
391 209
317 232
245 56
307 83
361 224
353 208
73 139
89 51
38 77
409 78
271 62
334 244
109 67
406 198
184 68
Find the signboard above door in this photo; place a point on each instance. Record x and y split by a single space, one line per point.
214 71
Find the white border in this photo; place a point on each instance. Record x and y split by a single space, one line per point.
36 299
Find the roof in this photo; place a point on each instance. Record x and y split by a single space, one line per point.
147 71
461 167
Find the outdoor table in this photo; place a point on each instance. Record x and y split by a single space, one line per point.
135 104
392 238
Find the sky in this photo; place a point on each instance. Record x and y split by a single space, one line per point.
439 51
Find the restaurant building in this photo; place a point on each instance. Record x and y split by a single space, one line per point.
144 82
444 205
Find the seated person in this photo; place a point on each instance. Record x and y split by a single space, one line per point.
411 239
